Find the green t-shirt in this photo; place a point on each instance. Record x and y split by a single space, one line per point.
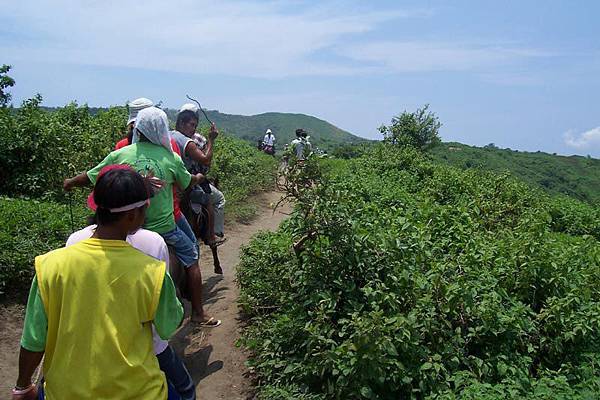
147 158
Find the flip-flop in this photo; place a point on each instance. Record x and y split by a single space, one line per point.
211 323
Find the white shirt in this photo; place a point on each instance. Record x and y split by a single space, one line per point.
149 243
269 139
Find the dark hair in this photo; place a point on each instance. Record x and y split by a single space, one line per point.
184 117
299 132
118 188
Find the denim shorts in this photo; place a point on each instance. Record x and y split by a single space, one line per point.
185 248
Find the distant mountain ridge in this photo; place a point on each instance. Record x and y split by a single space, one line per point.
283 125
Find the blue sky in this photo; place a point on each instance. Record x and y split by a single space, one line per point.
520 74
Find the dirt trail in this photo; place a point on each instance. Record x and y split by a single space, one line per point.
215 363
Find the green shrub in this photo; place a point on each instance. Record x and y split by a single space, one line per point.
30 228
42 148
421 281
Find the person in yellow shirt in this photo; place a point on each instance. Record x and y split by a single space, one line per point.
92 305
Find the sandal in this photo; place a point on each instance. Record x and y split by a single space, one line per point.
210 323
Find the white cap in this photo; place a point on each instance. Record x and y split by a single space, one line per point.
135 106
268 131
189 107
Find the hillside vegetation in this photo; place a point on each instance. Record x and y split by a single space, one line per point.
400 277
575 176
41 148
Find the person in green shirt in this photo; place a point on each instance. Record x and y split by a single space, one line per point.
151 155
92 305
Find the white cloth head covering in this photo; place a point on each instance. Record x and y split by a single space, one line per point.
153 123
190 107
136 106
268 131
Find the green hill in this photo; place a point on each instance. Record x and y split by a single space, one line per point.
284 125
575 176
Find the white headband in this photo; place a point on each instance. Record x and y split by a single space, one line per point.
131 206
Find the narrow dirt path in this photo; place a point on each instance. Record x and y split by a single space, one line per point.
216 364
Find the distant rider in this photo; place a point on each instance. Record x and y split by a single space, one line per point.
269 142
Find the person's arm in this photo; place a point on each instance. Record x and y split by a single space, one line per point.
198 155
203 157
76 181
196 179
169 312
33 340
28 362
86 178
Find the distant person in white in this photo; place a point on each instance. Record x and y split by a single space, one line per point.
269 139
152 244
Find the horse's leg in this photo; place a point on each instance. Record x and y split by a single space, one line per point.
216 262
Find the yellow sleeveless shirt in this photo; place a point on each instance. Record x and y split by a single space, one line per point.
100 297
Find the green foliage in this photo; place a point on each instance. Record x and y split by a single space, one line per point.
400 278
30 228
350 150
41 148
575 176
418 129
5 83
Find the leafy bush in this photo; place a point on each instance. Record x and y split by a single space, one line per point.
419 129
30 228
400 278
43 148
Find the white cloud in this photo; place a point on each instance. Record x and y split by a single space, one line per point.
583 141
257 39
397 56
272 39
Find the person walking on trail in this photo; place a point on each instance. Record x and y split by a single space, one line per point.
151 155
269 142
301 145
197 155
152 244
135 107
92 305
